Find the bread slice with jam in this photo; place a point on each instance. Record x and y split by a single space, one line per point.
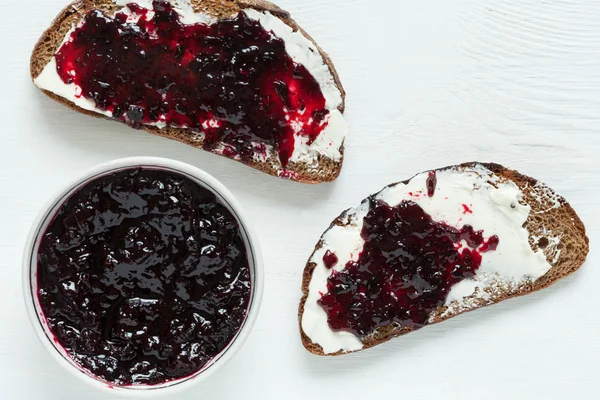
440 244
238 78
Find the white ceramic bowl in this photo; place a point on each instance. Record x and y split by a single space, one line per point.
30 267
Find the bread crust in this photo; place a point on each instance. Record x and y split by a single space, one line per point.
562 220
327 169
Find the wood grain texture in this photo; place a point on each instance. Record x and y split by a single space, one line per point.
430 83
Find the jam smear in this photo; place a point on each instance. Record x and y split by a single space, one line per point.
231 80
330 259
490 245
406 269
143 277
431 183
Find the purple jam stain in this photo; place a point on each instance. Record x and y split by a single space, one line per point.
143 277
431 183
231 80
330 259
406 269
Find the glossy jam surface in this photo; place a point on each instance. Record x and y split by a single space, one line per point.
231 80
330 259
143 276
406 269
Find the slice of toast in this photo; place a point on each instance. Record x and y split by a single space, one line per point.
320 168
552 233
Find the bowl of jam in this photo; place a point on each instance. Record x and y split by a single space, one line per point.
143 275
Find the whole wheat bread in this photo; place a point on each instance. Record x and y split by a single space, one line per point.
561 220
51 39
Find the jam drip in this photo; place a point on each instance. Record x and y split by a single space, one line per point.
431 183
143 277
406 269
231 80
330 259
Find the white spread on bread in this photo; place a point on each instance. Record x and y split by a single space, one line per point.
497 209
298 47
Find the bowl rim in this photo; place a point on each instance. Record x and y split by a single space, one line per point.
44 217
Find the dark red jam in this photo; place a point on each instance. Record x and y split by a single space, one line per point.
231 80
406 269
431 183
330 259
143 277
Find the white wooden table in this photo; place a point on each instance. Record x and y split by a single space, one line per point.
430 83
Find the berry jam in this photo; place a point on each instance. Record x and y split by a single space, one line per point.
406 269
231 80
329 259
431 183
143 277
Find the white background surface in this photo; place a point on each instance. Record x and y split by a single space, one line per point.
430 83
